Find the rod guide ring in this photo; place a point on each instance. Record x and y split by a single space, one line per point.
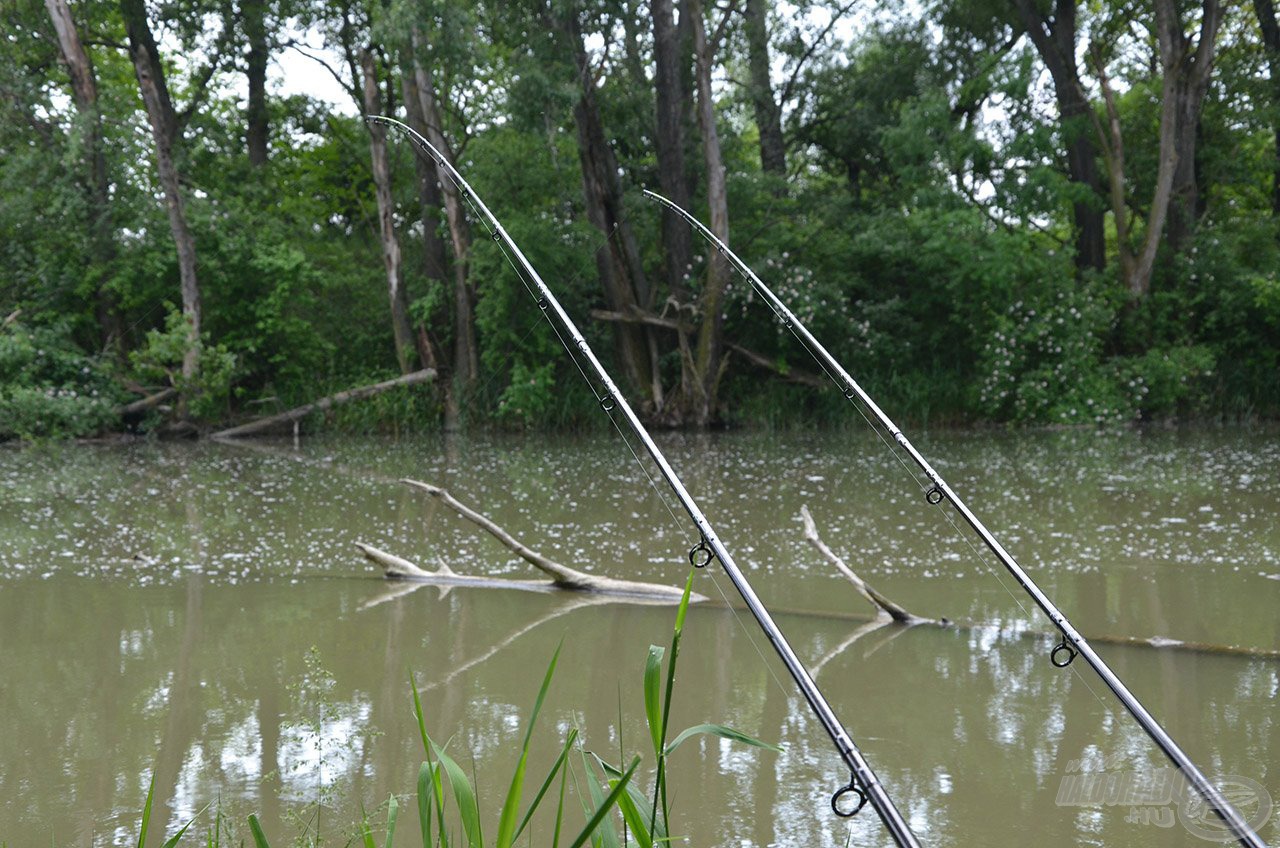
836 799
934 495
1062 649
700 554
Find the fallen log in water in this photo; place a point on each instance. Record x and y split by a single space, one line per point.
879 601
886 607
298 413
560 576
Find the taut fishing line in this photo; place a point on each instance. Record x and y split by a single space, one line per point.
609 409
863 782
1073 644
574 357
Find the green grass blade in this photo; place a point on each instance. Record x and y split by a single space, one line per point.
561 762
511 807
146 812
605 805
468 808
424 804
645 829
653 696
173 840
437 786
660 804
564 780
366 832
417 711
604 835
393 813
259 838
721 731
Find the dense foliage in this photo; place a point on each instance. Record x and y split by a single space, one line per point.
982 224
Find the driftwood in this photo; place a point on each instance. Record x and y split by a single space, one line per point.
887 609
298 413
878 600
148 402
561 576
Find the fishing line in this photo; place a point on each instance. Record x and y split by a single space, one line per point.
863 780
896 451
1073 643
644 467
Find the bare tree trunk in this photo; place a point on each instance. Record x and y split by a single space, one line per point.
618 260
257 126
391 259
1111 140
709 358
296 414
466 361
669 62
1190 65
773 151
164 131
1185 83
84 91
435 262
1266 12
1055 41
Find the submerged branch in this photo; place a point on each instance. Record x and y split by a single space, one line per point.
883 604
562 576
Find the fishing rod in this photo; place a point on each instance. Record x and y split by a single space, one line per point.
863 787
1072 643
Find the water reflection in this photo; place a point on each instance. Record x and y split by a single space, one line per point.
200 610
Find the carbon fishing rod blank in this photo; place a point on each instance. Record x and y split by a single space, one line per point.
863 781
1073 643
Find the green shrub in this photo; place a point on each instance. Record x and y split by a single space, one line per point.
50 389
160 360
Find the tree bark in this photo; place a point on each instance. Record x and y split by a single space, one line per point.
1189 64
1185 72
709 357
670 62
618 260
768 114
1055 41
1111 140
434 260
1266 12
391 258
257 126
84 92
164 132
466 360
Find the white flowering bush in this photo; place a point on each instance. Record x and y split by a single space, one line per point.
49 389
1044 363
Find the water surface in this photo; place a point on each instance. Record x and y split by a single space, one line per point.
201 610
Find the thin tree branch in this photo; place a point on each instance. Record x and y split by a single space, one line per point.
785 94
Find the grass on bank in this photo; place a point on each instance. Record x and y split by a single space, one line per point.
448 806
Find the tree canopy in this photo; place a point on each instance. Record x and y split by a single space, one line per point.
1032 211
